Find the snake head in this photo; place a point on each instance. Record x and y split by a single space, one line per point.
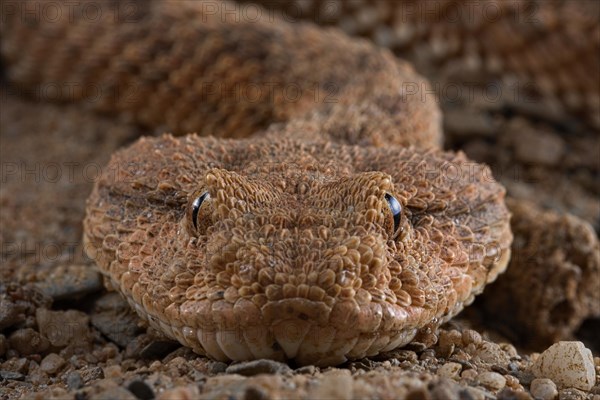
295 250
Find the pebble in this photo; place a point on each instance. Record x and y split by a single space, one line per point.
190 392
450 370
74 380
572 394
140 389
52 363
568 364
27 341
543 389
307 370
492 380
470 336
11 375
336 384
469 374
448 341
64 328
490 353
113 317
92 373
251 368
71 282
217 367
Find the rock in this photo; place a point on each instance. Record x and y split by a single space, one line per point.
335 384
190 392
71 282
52 363
65 328
18 301
217 367
572 394
112 316
490 353
543 389
140 389
11 375
568 364
492 380
251 368
450 370
27 341
89 374
307 370
74 380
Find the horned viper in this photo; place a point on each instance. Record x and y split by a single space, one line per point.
324 224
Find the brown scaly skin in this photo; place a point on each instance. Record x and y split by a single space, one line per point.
295 255
174 66
544 51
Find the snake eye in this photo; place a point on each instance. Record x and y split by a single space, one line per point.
395 209
196 215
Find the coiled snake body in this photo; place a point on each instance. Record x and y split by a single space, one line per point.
338 230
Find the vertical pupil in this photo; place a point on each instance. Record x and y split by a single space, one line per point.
196 207
396 209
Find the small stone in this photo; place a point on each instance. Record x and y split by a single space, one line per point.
92 373
335 384
490 353
74 380
568 364
217 367
543 389
450 370
251 368
27 341
71 282
11 375
571 394
469 374
448 341
112 371
470 336
16 365
141 390
307 370
492 380
190 392
113 317
65 328
52 363
476 394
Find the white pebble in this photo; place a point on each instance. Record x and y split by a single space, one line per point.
568 364
450 370
492 380
543 389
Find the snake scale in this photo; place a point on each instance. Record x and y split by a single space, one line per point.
313 218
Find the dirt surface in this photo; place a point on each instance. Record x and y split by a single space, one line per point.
62 335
